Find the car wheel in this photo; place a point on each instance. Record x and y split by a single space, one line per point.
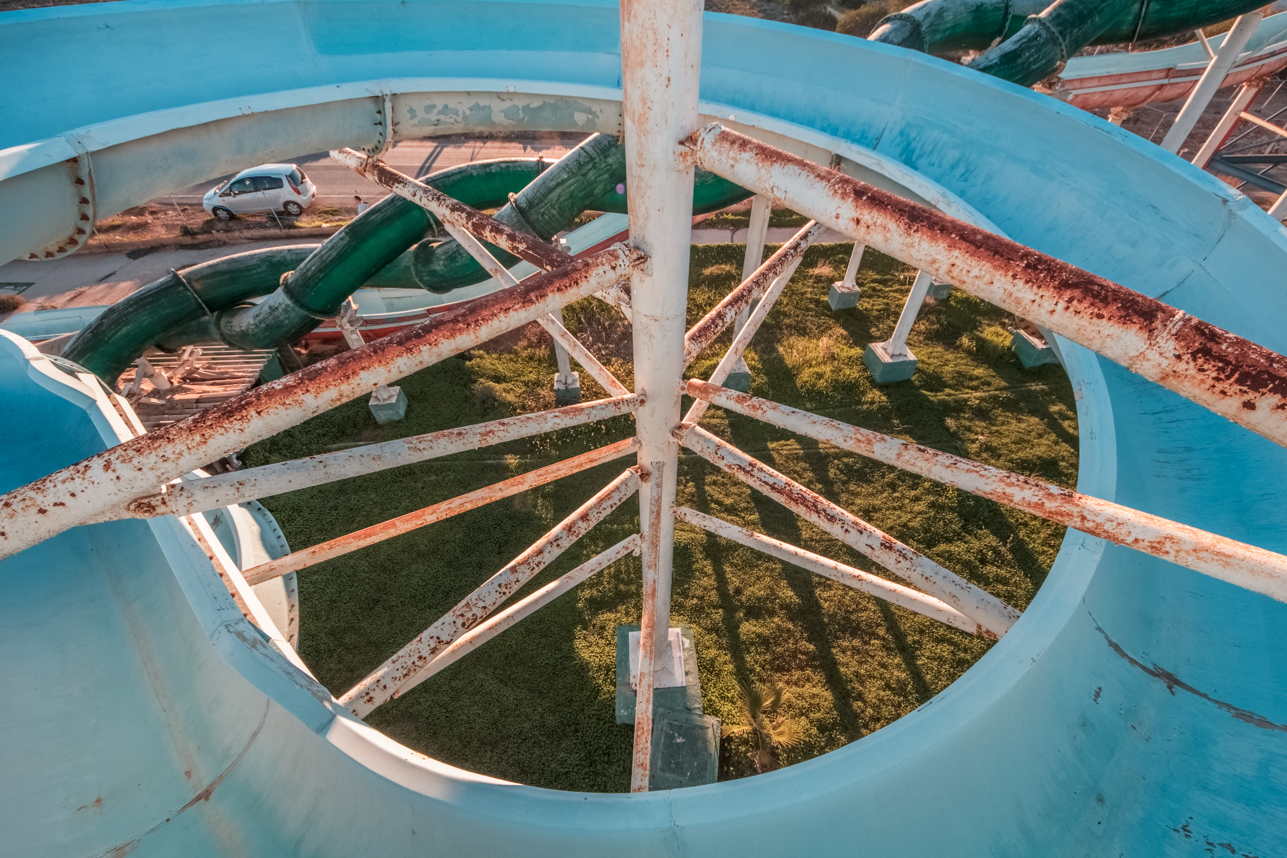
293 208
222 213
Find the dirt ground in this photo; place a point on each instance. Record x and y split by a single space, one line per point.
162 224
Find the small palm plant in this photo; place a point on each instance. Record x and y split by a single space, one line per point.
765 723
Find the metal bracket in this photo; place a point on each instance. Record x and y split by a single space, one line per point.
81 174
384 120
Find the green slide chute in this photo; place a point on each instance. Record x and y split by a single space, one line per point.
395 243
1037 38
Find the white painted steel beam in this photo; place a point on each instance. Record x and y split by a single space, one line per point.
757 234
1241 100
1231 376
403 670
1234 41
895 594
848 283
367 536
738 301
76 494
661 43
494 625
752 324
206 493
896 345
1218 556
564 342
985 609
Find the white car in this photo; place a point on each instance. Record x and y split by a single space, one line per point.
266 188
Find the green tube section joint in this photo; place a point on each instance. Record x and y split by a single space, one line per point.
204 303
1036 38
542 209
306 284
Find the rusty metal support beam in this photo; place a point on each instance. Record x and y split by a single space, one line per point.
111 479
480 634
564 342
1231 376
454 215
368 536
206 493
750 325
402 671
985 609
895 594
738 301
1218 556
1268 126
661 47
1241 101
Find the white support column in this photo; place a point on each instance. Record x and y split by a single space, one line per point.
891 360
660 64
1234 41
567 384
897 344
1278 211
388 404
1241 101
757 235
845 293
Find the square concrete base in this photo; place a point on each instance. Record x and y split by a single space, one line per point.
567 388
679 688
388 404
885 369
1032 352
685 750
843 297
940 291
740 378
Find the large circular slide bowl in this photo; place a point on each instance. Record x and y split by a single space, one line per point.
1137 708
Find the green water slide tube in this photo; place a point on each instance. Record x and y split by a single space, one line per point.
307 283
1037 38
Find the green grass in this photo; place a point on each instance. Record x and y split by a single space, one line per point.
536 704
738 219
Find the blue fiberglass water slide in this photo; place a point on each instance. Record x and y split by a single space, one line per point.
1137 708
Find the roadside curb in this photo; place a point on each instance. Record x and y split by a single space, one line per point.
139 249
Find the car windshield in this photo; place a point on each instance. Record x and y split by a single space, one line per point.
222 185
296 176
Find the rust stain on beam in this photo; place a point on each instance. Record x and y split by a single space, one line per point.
367 536
527 247
140 466
1211 554
1231 376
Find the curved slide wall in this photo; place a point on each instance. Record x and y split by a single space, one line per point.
1137 707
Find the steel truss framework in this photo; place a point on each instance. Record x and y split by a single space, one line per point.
660 50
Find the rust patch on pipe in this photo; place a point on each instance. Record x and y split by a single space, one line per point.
349 542
713 323
1230 375
1227 559
175 449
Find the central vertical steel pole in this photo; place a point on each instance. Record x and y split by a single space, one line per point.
660 60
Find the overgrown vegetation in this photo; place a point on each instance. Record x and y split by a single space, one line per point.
863 17
742 217
536 704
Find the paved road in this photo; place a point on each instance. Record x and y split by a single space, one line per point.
336 184
92 279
